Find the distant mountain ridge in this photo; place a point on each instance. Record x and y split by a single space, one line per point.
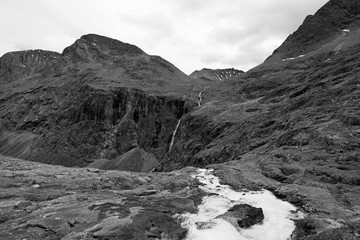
217 74
14 65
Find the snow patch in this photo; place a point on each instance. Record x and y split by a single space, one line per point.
278 223
286 59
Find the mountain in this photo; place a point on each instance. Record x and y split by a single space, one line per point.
334 27
99 99
290 126
217 74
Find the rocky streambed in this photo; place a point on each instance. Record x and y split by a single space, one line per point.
39 201
228 214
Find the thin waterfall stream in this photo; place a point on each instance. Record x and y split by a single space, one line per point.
173 135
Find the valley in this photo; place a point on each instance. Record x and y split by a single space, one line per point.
104 141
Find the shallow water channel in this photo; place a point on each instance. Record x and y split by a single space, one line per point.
278 221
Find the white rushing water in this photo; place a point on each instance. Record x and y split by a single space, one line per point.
278 215
173 136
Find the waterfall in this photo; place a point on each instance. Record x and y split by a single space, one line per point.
173 136
170 146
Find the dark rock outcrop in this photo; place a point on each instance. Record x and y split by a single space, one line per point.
243 215
72 126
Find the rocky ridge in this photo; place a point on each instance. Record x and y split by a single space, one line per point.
335 26
217 74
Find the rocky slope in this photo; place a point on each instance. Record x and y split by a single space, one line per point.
99 99
335 26
217 74
39 201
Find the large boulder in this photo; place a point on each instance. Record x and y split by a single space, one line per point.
243 215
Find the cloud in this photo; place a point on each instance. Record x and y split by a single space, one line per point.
191 34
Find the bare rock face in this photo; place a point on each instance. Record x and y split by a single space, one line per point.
243 215
73 125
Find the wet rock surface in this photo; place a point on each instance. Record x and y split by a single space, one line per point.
41 201
243 215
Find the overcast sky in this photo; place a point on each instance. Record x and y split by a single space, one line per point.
192 34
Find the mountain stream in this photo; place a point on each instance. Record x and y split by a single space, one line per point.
278 221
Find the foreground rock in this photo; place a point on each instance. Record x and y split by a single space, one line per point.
52 202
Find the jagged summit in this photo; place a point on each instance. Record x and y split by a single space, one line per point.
217 74
333 27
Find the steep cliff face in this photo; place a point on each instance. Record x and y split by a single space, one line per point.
217 74
73 127
99 99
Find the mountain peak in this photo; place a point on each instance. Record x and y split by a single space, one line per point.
93 46
110 43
